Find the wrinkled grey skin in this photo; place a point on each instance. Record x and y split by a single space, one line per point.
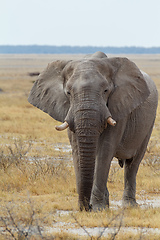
85 93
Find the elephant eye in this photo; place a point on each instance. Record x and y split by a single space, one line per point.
106 90
68 93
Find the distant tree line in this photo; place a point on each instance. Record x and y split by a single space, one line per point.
45 49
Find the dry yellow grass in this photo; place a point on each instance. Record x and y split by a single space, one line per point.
43 179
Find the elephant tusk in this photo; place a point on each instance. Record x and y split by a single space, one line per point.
62 127
111 121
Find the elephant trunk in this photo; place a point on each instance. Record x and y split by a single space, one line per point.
87 154
87 132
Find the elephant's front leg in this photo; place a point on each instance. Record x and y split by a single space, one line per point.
108 142
100 194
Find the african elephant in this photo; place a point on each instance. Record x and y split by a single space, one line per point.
109 107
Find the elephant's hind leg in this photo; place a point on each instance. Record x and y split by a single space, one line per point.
130 171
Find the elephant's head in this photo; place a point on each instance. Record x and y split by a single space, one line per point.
86 95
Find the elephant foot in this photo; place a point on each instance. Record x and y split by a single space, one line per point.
99 207
99 200
85 206
129 202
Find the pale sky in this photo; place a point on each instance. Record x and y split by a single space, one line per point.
80 22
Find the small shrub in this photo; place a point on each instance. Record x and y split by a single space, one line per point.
152 157
14 155
37 174
22 222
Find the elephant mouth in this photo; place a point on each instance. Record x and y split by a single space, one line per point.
65 125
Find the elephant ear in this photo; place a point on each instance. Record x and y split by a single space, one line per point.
130 88
47 92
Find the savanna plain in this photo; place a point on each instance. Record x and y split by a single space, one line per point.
38 198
